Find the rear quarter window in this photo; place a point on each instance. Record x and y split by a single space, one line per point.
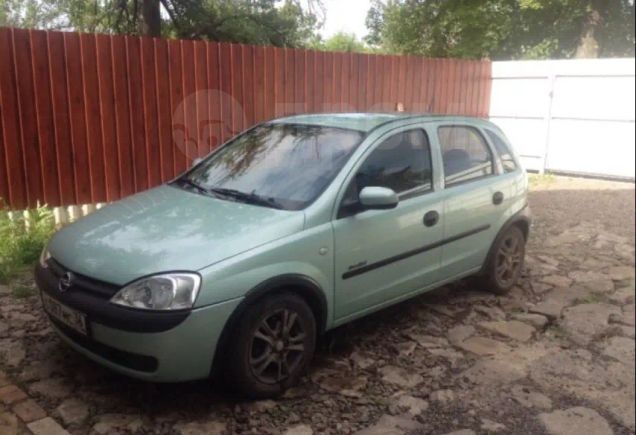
503 150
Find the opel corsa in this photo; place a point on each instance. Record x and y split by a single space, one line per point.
292 228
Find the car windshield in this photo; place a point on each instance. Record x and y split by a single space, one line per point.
284 166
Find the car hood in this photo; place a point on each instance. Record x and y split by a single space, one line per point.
166 229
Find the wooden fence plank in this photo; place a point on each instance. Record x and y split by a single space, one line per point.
225 65
137 113
28 126
259 84
385 66
16 193
401 80
370 83
328 96
352 83
122 116
201 84
177 107
247 52
238 110
93 116
310 82
345 79
77 117
485 86
149 87
470 87
418 74
190 132
164 110
288 80
446 86
300 78
65 159
214 102
337 79
361 85
318 81
270 84
108 122
278 81
4 181
394 83
44 111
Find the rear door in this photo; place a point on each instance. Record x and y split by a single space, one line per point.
382 255
475 198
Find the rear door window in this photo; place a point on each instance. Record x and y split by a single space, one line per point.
465 154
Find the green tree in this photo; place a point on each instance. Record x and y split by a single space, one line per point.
283 23
341 41
503 29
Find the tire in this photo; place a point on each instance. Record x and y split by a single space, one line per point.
271 347
505 262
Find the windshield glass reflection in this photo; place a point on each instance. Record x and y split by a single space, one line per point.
279 165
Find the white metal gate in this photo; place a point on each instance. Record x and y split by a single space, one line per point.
571 116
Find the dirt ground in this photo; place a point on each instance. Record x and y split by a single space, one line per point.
556 356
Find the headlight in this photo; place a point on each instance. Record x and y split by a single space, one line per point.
170 291
44 257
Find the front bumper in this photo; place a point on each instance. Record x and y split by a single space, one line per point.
181 353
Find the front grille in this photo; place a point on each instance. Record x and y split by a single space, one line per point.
134 361
83 283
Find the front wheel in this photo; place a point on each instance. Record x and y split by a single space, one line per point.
272 345
506 262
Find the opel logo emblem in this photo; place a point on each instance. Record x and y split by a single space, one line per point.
65 282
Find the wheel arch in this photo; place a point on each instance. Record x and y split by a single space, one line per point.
520 219
302 285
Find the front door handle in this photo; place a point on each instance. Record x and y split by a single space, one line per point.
431 218
497 198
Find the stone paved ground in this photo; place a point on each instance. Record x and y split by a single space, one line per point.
556 356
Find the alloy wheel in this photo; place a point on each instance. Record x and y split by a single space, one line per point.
509 259
277 346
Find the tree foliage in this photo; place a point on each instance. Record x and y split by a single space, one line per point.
341 41
503 29
288 23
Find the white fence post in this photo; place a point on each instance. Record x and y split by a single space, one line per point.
548 120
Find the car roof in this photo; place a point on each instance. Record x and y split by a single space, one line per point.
368 121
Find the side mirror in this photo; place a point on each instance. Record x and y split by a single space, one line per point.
196 161
378 198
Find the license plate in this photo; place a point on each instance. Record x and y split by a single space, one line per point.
68 316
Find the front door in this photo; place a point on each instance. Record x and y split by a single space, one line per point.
382 255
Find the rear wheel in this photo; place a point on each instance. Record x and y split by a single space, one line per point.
272 345
506 262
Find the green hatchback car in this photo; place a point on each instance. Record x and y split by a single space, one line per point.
294 227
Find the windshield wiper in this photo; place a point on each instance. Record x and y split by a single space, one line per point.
249 198
189 183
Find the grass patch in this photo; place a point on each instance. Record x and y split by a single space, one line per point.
592 298
541 179
22 238
22 292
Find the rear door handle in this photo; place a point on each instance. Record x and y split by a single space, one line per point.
431 218
497 198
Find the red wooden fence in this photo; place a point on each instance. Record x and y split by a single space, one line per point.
88 118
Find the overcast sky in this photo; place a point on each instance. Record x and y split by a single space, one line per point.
346 16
